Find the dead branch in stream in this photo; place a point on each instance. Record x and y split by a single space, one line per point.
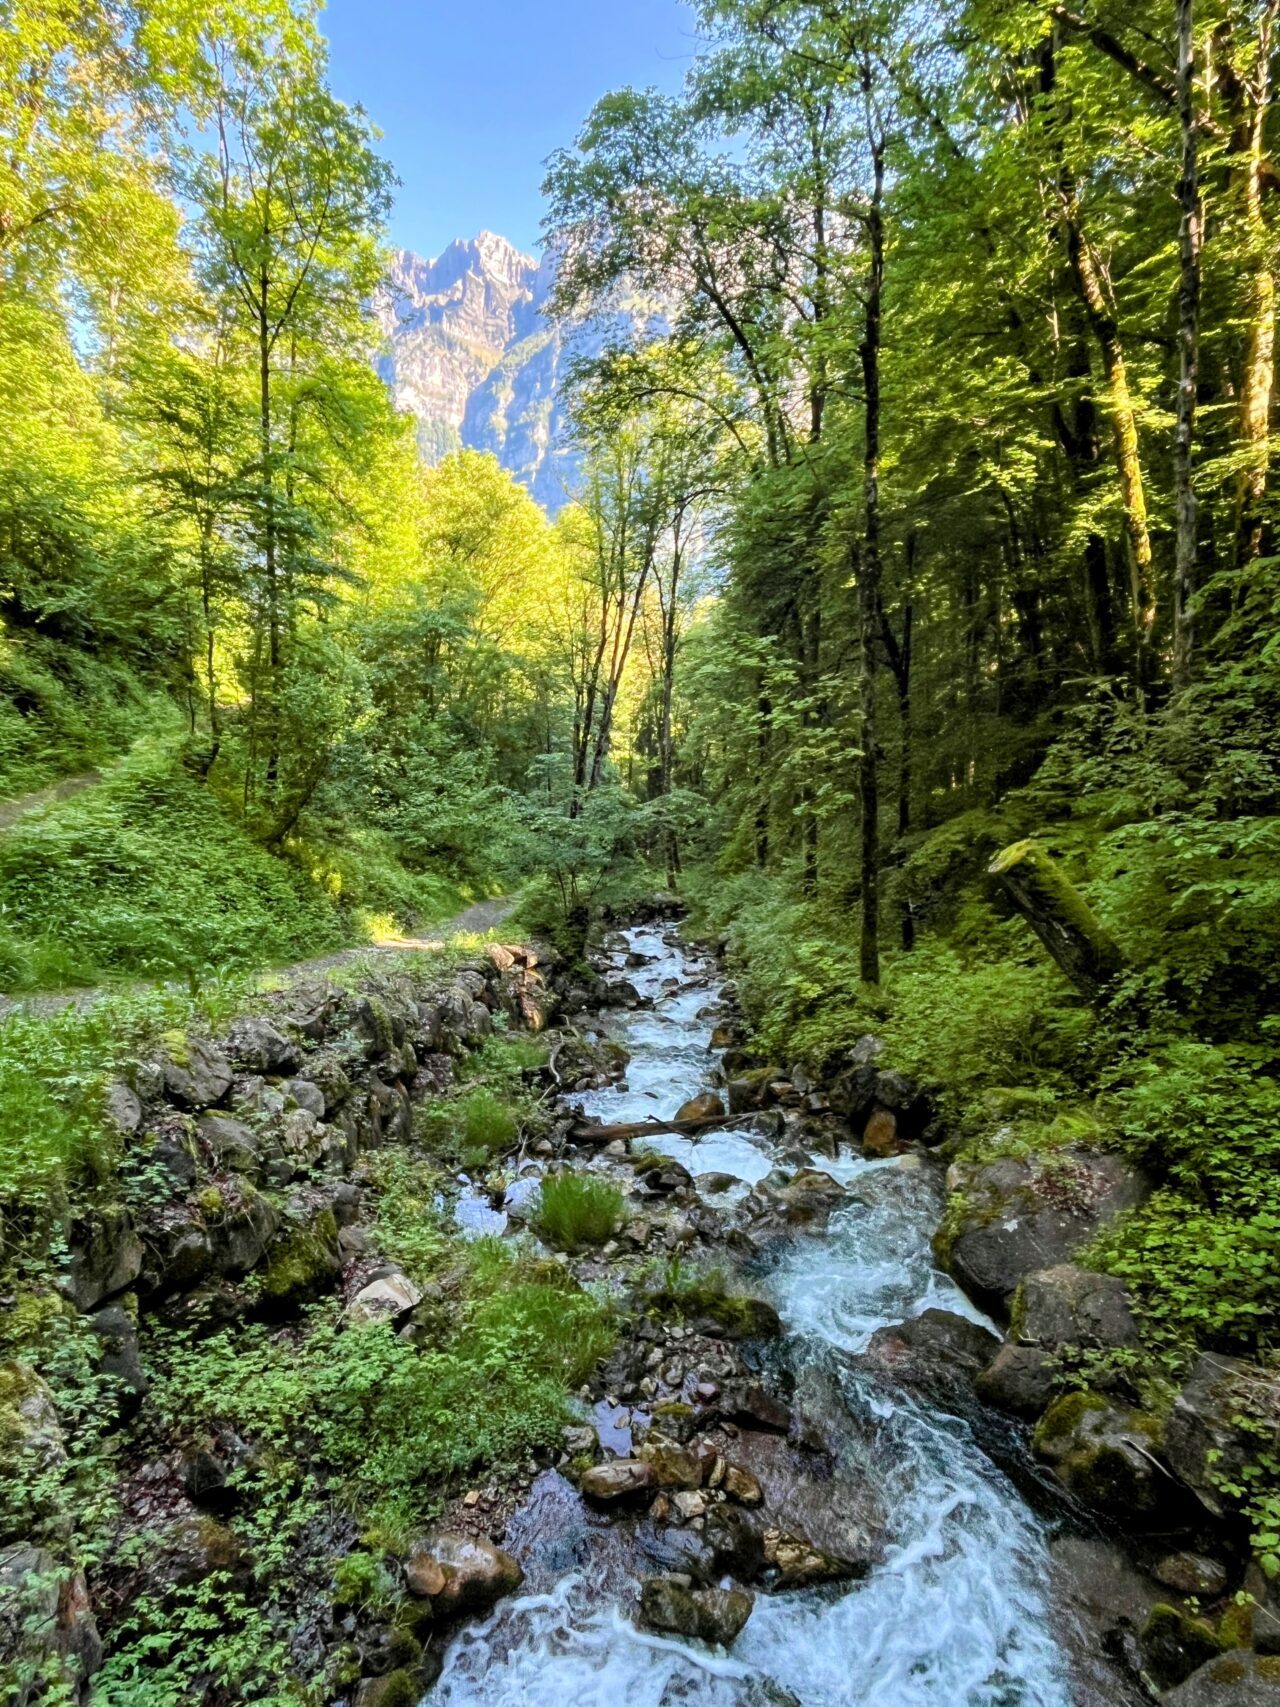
588 1132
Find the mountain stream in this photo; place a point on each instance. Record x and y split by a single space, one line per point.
963 1611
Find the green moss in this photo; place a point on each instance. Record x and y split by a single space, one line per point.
397 1689
1063 1418
1235 1627
1176 1643
212 1203
300 1262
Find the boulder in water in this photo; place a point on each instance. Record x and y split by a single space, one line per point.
1019 1379
675 1466
937 1351
715 1615
794 1562
705 1106
623 1479
458 1573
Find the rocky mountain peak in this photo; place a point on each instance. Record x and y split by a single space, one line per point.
471 355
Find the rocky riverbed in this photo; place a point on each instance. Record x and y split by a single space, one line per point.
803 1501
843 1454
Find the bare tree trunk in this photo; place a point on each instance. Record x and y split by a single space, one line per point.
870 575
1258 377
1189 233
1119 408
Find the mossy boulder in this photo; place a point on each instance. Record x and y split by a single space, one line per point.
33 1452
396 1689
301 1266
1237 1679
1014 1216
1176 1643
715 1615
1107 1457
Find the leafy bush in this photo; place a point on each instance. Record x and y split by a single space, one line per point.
576 1211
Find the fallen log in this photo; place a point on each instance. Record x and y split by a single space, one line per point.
1059 915
588 1132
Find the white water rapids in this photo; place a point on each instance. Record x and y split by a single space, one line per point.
957 1615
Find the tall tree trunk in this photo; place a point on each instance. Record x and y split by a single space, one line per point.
269 565
870 574
1257 381
1189 233
1119 408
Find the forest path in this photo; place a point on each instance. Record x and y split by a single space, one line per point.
475 920
12 810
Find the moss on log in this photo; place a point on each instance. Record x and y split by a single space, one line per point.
1059 915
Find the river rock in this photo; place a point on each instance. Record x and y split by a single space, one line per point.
622 1479
1014 1212
47 1627
382 1299
740 1485
1019 1379
1106 1456
1206 1442
715 1615
1237 1679
460 1574
105 1256
880 1134
712 1184
736 1542
794 1562
936 1352
705 1106
674 1466
1069 1305
196 1075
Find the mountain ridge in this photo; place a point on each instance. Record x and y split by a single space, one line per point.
473 356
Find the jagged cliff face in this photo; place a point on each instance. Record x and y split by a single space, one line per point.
473 358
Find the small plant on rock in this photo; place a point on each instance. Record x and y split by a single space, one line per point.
577 1211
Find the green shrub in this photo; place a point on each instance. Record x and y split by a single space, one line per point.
576 1211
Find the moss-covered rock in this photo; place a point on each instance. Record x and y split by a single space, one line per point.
301 1265
1107 1456
1175 1643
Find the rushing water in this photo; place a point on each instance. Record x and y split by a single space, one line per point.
957 1615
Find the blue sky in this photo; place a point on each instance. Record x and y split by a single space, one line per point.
472 95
